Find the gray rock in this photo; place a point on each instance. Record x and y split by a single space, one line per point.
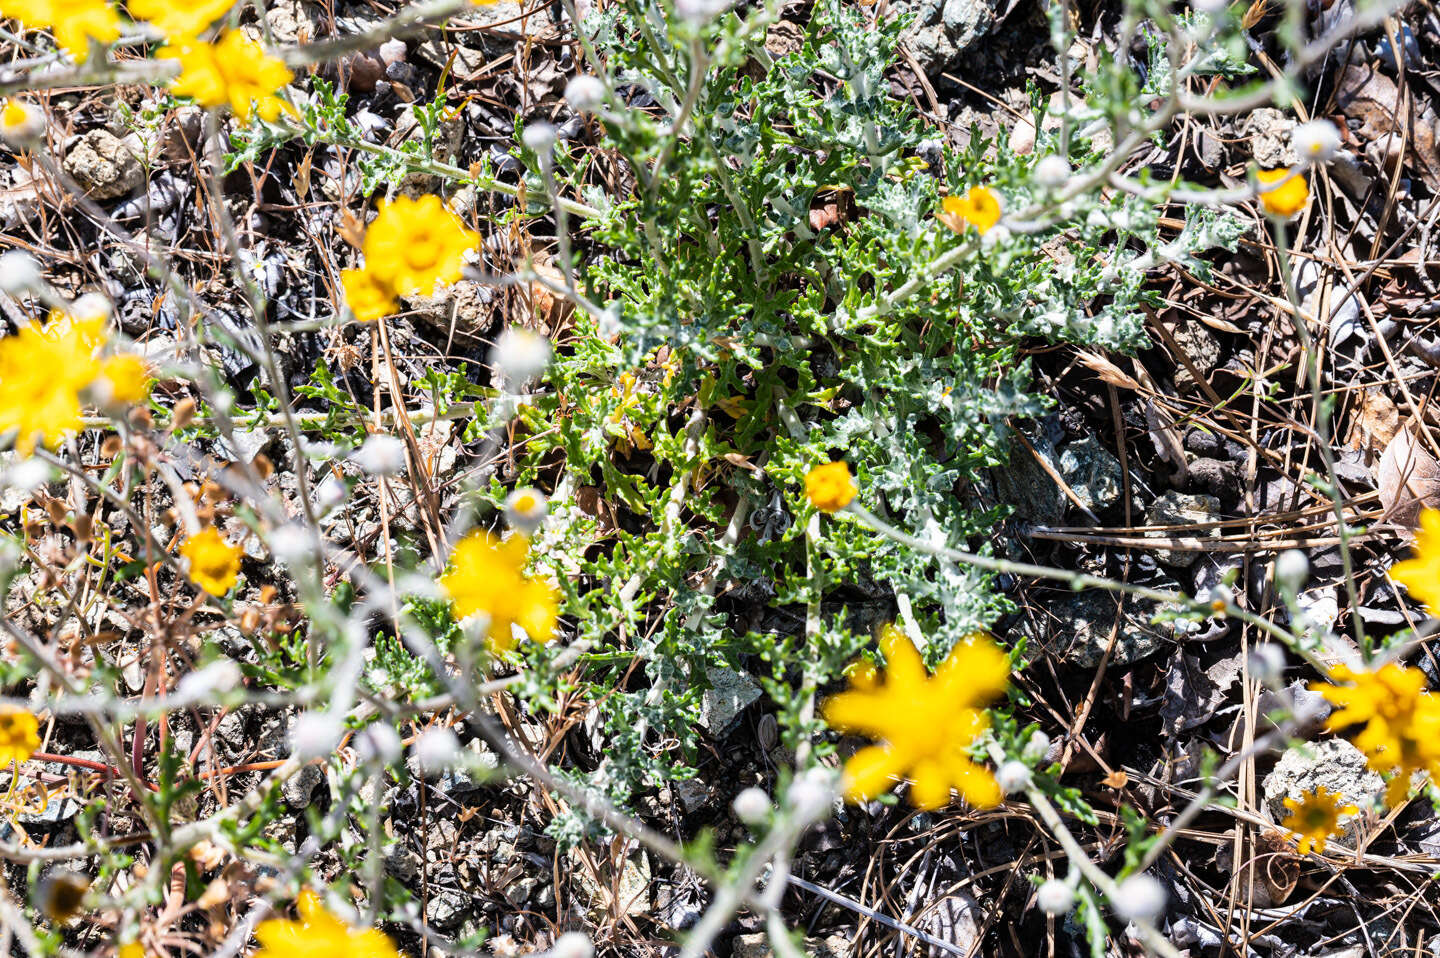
692 793
181 133
942 30
1269 131
56 810
498 26
521 889
447 908
464 305
1179 509
1200 347
292 21
1217 477
1026 486
104 165
1296 699
1086 621
20 196
627 894
1333 764
730 693
1092 473
403 863
248 444
299 789
758 946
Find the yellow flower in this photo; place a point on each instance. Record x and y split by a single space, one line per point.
319 934
1420 575
415 243
927 724
1287 198
233 70
19 734
21 122
214 562
980 208
131 949
368 297
126 377
1315 818
829 487
74 22
61 895
1400 719
487 576
42 373
180 21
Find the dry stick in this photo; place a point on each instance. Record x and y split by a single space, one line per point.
1322 427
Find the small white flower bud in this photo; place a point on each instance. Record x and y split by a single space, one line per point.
381 743
525 510
1292 569
21 123
392 51
586 93
1267 663
315 735
540 137
1216 597
1037 747
90 306
380 455
1315 141
997 235
572 944
520 355
811 795
1052 172
1055 897
217 678
436 750
1013 777
1139 898
752 806
27 475
290 544
700 12
20 274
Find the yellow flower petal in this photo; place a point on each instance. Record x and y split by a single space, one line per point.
1282 194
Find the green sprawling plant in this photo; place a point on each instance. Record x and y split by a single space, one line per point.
742 341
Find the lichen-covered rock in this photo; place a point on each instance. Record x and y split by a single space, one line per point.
1024 484
1334 764
1092 473
104 165
1179 509
944 29
1085 621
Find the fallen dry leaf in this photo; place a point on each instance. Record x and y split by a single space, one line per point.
1370 97
1407 477
1374 422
